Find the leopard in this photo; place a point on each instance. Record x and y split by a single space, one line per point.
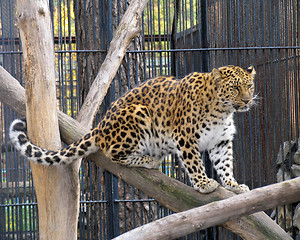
165 115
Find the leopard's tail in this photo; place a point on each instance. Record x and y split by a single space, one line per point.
78 149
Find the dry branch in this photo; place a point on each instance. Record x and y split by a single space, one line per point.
212 214
128 28
169 192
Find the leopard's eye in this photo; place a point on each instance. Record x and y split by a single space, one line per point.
250 85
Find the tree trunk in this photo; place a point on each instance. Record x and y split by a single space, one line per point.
212 214
56 187
169 192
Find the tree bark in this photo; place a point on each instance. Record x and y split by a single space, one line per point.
91 34
212 214
57 188
169 192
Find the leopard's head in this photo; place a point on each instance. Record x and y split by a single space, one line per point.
235 86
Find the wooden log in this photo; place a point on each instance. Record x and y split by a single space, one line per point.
169 192
212 214
57 188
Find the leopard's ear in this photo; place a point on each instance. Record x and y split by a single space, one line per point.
251 71
217 75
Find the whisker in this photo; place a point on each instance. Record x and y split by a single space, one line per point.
256 97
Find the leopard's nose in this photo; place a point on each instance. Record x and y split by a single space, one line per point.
246 100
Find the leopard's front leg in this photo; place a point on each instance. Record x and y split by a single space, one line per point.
193 164
222 157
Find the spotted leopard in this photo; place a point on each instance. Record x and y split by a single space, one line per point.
165 116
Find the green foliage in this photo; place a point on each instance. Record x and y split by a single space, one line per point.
20 217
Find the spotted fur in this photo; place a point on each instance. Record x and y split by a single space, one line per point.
165 116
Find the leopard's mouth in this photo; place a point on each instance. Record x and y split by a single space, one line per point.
243 109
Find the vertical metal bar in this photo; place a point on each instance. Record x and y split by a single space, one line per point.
281 107
242 155
179 36
111 182
77 47
192 36
184 32
71 81
115 195
159 39
125 215
167 32
288 107
205 68
214 32
173 38
86 43
109 209
144 43
152 27
204 43
133 207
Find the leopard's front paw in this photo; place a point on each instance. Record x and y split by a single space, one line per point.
206 186
237 188
244 188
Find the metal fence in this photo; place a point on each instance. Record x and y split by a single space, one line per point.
178 37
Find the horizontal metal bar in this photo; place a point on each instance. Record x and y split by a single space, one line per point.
172 50
93 201
217 49
18 204
134 200
60 51
72 39
82 202
57 40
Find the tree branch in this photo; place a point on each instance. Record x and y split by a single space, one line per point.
128 28
169 192
212 214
